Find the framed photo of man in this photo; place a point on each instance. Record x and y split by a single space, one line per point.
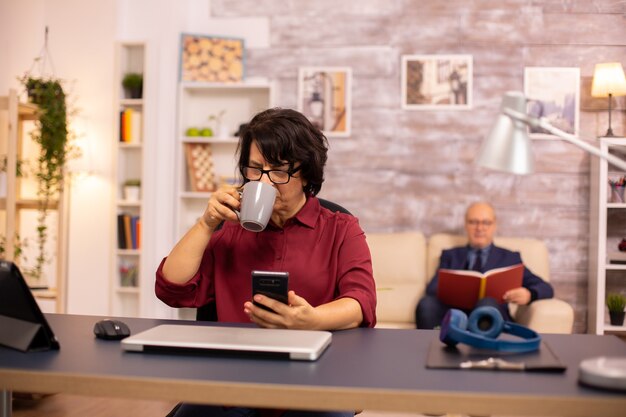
436 82
553 93
324 97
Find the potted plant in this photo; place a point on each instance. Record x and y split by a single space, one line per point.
53 138
616 304
132 189
133 85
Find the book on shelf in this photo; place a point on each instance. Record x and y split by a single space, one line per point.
133 231
138 232
135 126
128 231
617 257
121 239
130 126
462 289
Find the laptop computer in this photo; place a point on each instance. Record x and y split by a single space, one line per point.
305 345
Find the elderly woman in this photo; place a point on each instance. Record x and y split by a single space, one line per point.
325 252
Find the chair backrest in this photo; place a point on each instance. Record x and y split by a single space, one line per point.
534 252
399 263
334 207
208 312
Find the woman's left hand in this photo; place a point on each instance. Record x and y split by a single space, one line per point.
298 314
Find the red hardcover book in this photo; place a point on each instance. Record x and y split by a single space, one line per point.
462 289
138 233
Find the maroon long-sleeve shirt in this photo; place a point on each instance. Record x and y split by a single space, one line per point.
324 252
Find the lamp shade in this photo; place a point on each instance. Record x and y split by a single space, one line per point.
507 146
608 78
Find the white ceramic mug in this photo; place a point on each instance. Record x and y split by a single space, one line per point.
257 204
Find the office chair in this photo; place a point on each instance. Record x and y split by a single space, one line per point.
208 312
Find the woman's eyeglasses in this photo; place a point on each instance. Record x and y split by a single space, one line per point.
276 176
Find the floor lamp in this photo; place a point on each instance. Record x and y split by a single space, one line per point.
608 81
507 147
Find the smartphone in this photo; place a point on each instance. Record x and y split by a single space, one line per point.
271 284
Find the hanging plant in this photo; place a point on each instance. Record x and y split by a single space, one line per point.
55 149
18 247
18 166
51 134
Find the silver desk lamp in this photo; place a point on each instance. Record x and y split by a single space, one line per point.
507 146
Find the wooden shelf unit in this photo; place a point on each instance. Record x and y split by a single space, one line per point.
15 202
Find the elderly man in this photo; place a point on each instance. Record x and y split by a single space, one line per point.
480 254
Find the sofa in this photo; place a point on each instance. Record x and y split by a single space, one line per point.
405 262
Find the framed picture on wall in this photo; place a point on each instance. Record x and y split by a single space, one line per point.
324 97
553 93
436 82
211 59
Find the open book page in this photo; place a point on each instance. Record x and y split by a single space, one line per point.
462 289
498 281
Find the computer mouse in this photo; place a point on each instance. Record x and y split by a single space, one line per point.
111 329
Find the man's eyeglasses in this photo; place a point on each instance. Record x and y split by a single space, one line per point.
476 223
277 176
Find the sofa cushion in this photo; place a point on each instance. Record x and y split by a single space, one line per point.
399 263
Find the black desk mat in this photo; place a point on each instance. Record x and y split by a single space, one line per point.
466 357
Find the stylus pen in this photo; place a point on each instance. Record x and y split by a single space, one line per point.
501 364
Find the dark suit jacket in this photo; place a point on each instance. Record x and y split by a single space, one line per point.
456 258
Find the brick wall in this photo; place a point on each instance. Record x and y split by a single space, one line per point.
413 170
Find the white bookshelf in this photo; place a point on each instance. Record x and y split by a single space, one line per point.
128 164
196 102
607 265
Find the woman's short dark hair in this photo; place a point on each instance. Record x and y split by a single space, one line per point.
285 135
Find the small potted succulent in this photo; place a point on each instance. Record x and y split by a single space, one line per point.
616 304
132 189
133 85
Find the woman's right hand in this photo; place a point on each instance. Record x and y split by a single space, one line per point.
221 205
185 258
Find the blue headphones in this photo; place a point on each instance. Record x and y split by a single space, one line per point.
482 328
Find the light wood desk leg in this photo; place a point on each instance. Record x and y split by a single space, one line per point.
5 403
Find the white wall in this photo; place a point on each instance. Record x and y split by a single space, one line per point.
82 44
